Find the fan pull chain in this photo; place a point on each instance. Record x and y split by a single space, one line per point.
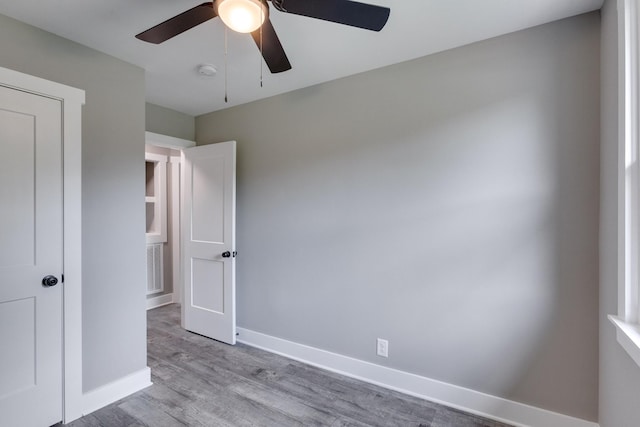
225 64
261 52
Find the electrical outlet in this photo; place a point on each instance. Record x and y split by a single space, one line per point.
382 348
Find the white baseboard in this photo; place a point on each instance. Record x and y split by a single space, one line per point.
159 301
471 401
116 390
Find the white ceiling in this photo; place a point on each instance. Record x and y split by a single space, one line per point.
319 51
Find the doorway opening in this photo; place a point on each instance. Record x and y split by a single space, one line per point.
163 225
162 206
190 231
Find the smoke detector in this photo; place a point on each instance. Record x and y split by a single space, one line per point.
207 70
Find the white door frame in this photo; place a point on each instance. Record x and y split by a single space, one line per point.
72 100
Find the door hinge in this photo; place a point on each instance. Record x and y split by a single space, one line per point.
62 278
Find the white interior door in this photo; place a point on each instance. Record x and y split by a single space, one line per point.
30 249
209 180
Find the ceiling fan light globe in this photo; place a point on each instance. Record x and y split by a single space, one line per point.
243 16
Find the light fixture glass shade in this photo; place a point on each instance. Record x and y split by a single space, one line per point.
243 16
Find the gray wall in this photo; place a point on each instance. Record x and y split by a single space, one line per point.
114 322
448 204
170 122
619 375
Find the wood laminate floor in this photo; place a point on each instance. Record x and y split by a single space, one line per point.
202 382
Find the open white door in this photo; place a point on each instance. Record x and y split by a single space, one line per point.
208 237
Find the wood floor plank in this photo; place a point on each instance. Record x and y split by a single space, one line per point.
213 389
355 399
150 413
87 421
200 382
297 409
113 416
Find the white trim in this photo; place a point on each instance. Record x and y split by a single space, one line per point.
168 141
72 100
621 159
622 73
159 301
628 316
37 85
156 158
628 335
629 304
72 253
496 408
116 390
176 192
159 198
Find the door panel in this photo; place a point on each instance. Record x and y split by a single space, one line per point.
21 314
207 178
30 248
16 227
206 294
209 231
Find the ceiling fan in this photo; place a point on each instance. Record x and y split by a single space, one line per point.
252 16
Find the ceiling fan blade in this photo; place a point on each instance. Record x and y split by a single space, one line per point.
361 15
178 24
272 50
